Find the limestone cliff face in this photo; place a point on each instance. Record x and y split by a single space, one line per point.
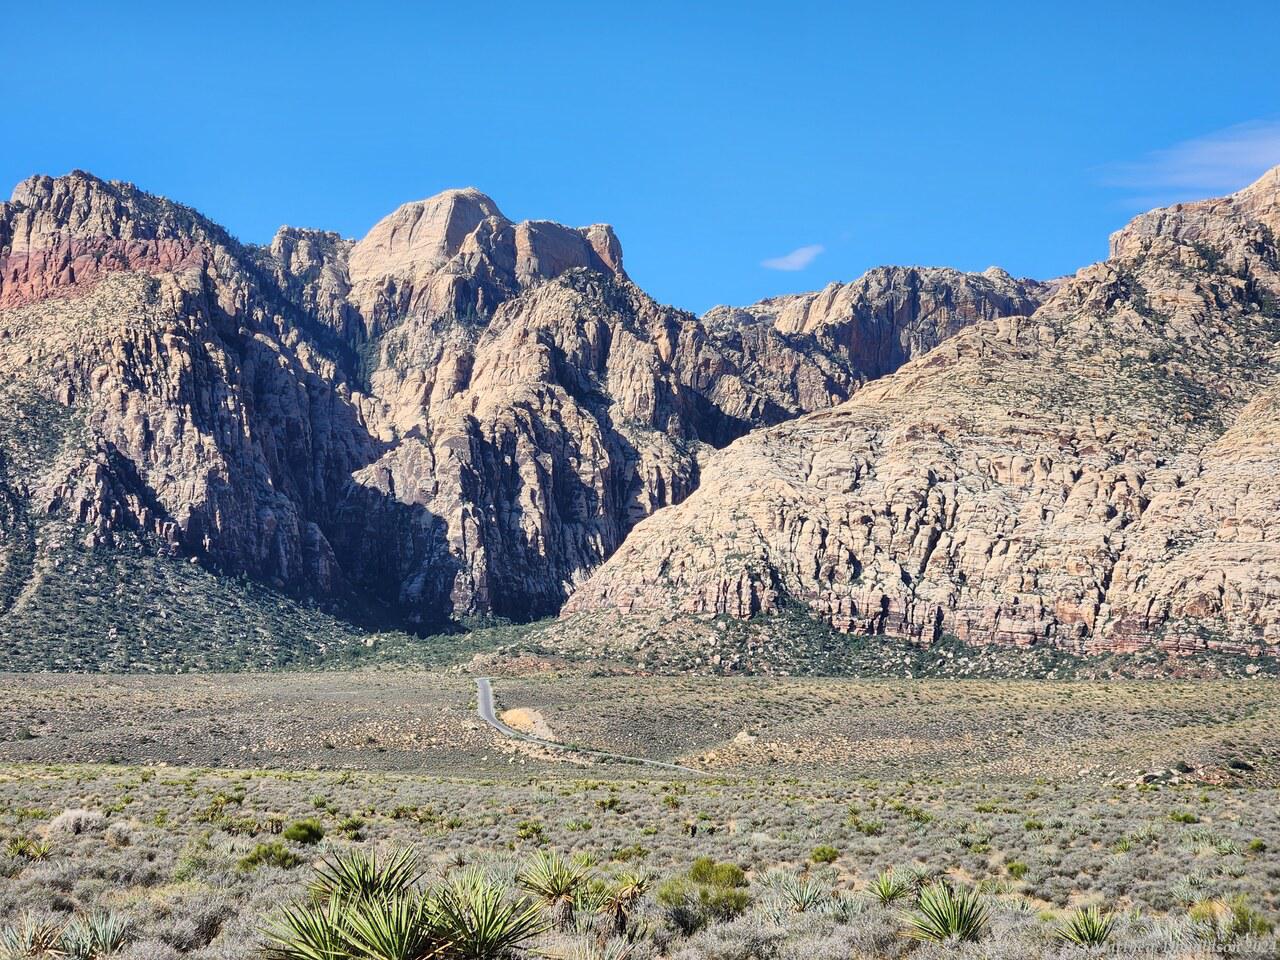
455 415
1100 475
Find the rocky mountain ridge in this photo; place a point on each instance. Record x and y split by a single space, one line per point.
1098 476
456 415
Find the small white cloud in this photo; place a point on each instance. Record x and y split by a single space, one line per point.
1214 164
797 259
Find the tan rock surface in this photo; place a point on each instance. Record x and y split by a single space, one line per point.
1100 475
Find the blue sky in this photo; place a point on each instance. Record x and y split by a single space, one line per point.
740 149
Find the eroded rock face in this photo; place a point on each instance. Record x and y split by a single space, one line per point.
823 346
455 415
1098 476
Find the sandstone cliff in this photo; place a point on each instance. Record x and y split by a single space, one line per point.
1100 475
455 415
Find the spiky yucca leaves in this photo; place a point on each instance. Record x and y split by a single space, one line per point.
627 889
402 926
28 849
945 914
802 894
359 874
94 936
556 882
1087 927
888 888
309 931
31 936
478 922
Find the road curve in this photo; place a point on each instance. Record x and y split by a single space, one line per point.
484 707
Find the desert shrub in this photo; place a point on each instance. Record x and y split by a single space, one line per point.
273 854
1183 816
305 831
150 950
944 914
824 853
1017 869
1226 921
706 871
76 821
709 891
745 938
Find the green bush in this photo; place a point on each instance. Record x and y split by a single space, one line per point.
1226 921
707 871
824 853
1183 816
274 854
709 892
1017 869
304 831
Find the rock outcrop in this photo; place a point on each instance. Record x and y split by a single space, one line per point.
1098 476
455 415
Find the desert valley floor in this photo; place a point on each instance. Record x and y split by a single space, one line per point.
175 802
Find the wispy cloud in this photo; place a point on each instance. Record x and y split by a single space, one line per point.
797 259
1214 164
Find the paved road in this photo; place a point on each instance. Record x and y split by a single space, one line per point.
484 707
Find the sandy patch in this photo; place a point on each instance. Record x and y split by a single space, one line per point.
527 721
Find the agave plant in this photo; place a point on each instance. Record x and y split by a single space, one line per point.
888 888
359 874
479 923
1087 927
944 914
555 882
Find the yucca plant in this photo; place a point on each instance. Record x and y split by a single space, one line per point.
31 936
402 926
94 936
479 923
555 882
625 892
1087 927
888 888
359 874
309 931
802 894
944 914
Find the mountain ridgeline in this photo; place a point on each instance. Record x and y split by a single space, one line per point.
459 416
